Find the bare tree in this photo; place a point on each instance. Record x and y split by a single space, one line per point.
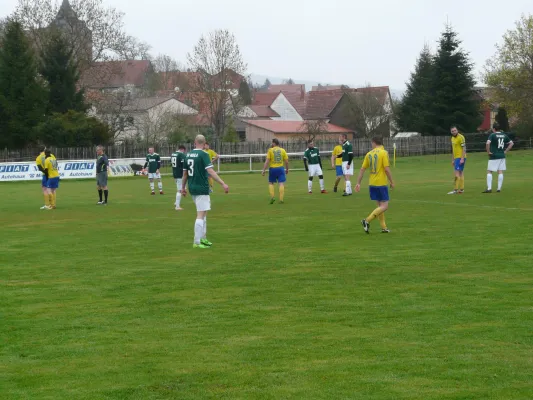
314 129
217 59
95 32
114 109
367 114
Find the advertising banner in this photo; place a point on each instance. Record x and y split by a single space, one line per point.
28 171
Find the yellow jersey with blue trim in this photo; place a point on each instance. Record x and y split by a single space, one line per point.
376 161
277 156
458 145
50 164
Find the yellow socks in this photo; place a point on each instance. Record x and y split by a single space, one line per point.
54 199
271 190
281 192
381 218
51 199
457 180
376 213
462 183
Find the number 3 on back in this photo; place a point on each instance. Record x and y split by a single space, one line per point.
191 167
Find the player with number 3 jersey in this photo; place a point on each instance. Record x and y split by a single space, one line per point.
196 170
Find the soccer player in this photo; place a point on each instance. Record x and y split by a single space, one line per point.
51 171
377 160
39 161
213 156
347 166
102 171
153 161
275 158
496 150
313 164
177 159
458 160
196 169
336 164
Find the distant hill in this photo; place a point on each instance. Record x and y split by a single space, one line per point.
260 79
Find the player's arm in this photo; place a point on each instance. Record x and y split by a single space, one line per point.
212 173
487 147
350 158
360 178
45 169
158 164
333 157
215 157
511 144
286 159
305 162
184 182
319 159
389 177
265 166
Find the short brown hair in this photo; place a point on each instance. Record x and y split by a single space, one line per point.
377 140
275 141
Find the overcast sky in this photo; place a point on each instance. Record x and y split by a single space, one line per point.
330 41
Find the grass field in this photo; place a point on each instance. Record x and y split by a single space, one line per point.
294 301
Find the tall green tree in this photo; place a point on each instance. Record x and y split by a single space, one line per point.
454 101
244 93
502 119
509 73
266 85
414 111
22 92
60 70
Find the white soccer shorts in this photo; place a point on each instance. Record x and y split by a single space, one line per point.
203 202
497 165
154 176
345 169
315 170
179 183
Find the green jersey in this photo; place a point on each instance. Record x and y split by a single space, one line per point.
347 149
312 156
176 159
498 144
153 161
196 164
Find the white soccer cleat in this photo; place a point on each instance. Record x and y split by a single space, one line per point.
44 208
178 209
453 192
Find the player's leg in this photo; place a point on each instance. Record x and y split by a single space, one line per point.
282 178
500 180
199 227
53 205
380 194
310 184
461 182
106 193
159 183
100 194
152 185
271 180
177 204
320 179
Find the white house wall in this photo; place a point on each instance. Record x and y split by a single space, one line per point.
285 109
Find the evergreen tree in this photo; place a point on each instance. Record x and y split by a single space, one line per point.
266 85
61 72
244 93
502 119
22 93
414 112
454 101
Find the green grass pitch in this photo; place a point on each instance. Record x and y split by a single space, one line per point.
294 301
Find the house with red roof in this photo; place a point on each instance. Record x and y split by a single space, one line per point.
266 130
279 104
130 75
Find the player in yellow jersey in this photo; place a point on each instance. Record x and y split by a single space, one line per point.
51 171
275 159
336 163
377 160
39 161
458 160
214 157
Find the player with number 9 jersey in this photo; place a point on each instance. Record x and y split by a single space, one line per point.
177 160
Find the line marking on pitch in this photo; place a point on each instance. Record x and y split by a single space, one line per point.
464 205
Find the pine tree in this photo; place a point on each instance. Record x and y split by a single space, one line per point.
22 93
244 93
502 119
454 101
266 85
60 70
414 111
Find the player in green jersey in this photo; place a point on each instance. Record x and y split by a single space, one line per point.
177 160
196 170
498 144
313 165
153 162
347 166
